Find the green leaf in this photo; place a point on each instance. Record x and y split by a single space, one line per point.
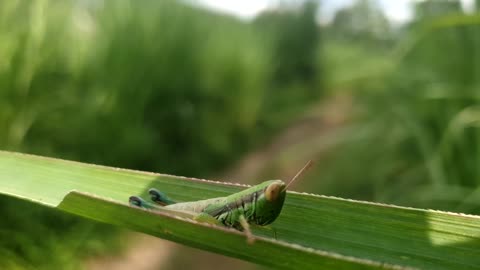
313 232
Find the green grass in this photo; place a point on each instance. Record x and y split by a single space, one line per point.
98 82
412 136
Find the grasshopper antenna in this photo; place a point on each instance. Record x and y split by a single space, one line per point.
300 173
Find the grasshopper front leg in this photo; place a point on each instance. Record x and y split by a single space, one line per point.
246 229
269 231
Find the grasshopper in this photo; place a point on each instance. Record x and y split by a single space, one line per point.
258 205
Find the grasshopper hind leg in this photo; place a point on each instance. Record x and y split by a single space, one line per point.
139 202
159 197
135 201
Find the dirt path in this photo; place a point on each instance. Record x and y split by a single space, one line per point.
145 253
316 124
148 252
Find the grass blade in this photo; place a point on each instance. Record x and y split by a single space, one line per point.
313 232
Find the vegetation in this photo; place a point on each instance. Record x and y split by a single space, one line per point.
173 88
419 125
335 233
151 86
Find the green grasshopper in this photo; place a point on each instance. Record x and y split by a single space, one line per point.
257 205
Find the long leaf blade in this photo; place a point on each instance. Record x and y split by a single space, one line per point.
313 232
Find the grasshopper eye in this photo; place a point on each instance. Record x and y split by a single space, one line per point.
272 191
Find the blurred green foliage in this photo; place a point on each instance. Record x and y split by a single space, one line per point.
166 87
157 86
363 23
413 139
295 41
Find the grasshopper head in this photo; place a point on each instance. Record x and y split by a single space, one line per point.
270 202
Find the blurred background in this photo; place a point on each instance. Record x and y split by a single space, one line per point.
384 95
